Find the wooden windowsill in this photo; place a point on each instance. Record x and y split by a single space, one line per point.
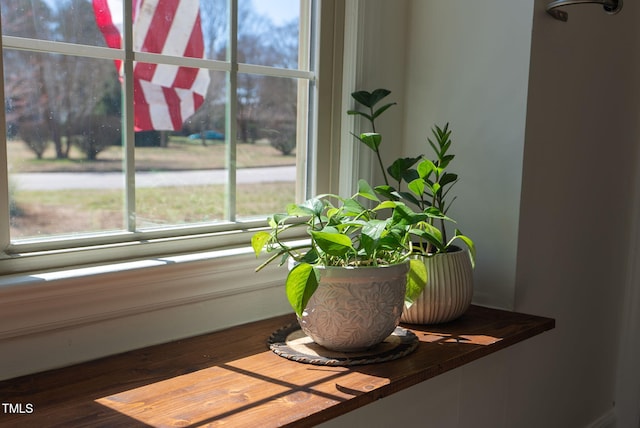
231 377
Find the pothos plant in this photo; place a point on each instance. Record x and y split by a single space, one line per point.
427 183
342 232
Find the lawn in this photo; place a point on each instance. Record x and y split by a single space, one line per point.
181 154
43 213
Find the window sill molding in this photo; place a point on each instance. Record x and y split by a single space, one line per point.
38 303
230 377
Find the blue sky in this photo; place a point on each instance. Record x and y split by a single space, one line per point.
279 11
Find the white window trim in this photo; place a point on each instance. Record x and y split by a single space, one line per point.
92 247
37 303
351 152
65 311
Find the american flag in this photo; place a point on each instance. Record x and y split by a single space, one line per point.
164 95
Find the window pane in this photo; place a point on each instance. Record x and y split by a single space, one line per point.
64 144
181 175
267 126
64 119
268 32
70 21
198 33
215 28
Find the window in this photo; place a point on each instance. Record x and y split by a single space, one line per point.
129 132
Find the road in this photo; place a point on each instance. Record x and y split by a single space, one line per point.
115 180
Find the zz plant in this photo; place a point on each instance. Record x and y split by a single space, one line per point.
342 232
427 183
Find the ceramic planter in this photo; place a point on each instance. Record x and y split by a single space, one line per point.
448 292
353 308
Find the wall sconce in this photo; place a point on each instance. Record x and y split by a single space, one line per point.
610 7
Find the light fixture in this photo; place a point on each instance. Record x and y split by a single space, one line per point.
610 6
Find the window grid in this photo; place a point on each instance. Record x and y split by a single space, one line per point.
232 109
305 76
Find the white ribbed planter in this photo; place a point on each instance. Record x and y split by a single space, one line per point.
448 292
355 308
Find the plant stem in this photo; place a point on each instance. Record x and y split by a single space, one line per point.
373 129
384 174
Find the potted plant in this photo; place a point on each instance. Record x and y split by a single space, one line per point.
348 282
426 184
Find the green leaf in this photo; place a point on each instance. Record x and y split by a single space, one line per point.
410 175
387 191
310 207
310 256
369 99
278 219
444 162
430 234
447 178
259 240
382 109
331 212
385 205
367 248
405 216
417 186
400 167
362 97
434 212
411 198
393 239
371 139
366 191
352 207
302 282
469 243
374 229
360 113
377 95
416 281
426 168
435 188
334 244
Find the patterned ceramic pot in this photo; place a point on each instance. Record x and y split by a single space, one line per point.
355 308
448 292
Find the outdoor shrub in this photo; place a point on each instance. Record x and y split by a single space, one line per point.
95 133
282 139
36 136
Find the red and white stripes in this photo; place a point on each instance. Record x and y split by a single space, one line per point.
164 95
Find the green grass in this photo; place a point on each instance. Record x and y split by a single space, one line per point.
57 212
181 154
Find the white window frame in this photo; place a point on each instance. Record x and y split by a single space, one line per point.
70 302
41 254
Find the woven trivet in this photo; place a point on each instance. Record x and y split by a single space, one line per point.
291 343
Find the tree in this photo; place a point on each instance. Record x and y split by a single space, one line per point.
36 136
58 91
278 111
25 106
78 90
93 134
53 90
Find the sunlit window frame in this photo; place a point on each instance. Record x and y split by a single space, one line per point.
39 254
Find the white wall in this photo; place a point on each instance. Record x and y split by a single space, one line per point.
544 120
549 235
468 65
580 153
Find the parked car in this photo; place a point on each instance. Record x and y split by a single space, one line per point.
208 135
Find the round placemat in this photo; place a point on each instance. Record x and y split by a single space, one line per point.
291 343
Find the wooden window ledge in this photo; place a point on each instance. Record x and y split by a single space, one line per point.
230 377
